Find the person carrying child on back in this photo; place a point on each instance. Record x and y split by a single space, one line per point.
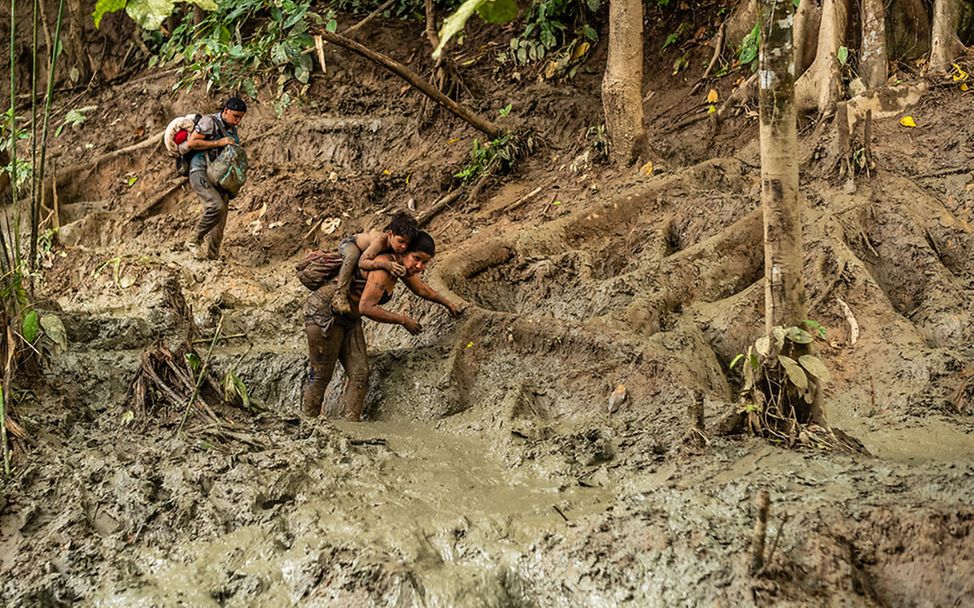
360 251
212 133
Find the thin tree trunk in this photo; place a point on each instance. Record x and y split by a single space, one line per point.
622 83
784 285
945 45
872 62
482 124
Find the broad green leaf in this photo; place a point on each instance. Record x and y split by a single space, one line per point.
799 336
497 11
52 326
815 367
103 7
149 13
842 55
815 327
194 361
750 45
453 24
32 326
795 373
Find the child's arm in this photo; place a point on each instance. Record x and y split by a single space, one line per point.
421 289
368 262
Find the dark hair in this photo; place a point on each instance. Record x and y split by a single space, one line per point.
235 104
404 225
422 243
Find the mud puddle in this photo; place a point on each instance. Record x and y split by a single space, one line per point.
399 514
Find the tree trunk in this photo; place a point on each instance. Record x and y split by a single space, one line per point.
622 83
909 29
872 62
945 45
784 286
819 87
784 291
808 17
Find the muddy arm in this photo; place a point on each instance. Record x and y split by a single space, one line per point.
368 305
421 289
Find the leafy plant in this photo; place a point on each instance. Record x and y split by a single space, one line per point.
779 375
748 53
497 156
74 118
244 43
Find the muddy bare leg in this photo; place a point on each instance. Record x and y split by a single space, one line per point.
350 255
355 360
323 350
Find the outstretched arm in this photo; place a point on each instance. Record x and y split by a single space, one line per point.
368 304
421 289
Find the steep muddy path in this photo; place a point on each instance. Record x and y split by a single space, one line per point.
489 472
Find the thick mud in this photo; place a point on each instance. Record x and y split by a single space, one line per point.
490 471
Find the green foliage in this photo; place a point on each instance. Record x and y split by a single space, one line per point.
235 391
748 53
149 14
245 42
31 326
74 118
20 169
842 55
496 157
506 110
778 372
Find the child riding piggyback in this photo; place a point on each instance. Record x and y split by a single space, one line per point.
360 251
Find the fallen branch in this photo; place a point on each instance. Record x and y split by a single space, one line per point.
518 203
696 435
718 47
744 92
199 382
156 200
145 143
368 441
762 503
382 7
425 217
416 81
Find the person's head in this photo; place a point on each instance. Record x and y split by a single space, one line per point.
233 111
401 231
421 251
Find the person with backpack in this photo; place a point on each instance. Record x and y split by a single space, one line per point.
212 134
334 336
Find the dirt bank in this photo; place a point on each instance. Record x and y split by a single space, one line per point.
490 472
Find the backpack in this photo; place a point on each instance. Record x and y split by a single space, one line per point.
228 171
176 137
318 267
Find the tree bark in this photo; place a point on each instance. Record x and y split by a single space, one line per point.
784 285
483 125
622 83
945 45
819 87
872 60
808 17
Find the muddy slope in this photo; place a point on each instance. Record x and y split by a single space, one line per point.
490 472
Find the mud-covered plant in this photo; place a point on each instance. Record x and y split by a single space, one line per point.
782 381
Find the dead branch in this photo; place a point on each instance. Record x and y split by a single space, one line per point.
746 91
416 81
382 7
518 203
156 200
145 143
718 47
696 435
762 503
446 200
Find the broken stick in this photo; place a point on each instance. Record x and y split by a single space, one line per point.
762 503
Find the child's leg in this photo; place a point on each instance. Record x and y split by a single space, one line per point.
350 255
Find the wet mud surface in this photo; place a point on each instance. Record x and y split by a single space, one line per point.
489 471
